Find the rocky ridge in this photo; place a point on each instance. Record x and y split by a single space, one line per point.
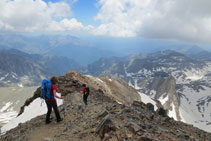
180 82
103 118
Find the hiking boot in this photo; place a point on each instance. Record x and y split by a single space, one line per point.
59 120
47 122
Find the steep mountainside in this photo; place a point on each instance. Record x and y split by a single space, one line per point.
103 118
181 84
14 67
28 69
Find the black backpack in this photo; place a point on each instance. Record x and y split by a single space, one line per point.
87 90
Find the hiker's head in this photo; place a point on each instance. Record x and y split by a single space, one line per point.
84 85
54 80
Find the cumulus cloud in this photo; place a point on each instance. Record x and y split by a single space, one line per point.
36 16
188 20
68 25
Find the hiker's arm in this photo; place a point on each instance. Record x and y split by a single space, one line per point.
54 92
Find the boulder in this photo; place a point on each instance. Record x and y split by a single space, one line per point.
133 127
103 114
105 126
161 111
150 107
147 137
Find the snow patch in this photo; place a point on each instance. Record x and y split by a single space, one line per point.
194 77
7 113
153 93
7 105
163 99
100 80
172 113
36 108
128 74
119 102
181 116
14 75
2 78
20 85
136 84
6 117
146 99
193 112
130 84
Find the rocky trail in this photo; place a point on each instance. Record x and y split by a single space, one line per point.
103 119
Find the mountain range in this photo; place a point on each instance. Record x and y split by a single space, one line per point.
86 50
17 66
59 45
178 82
115 111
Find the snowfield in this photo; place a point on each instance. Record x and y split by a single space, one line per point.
172 113
7 113
163 99
196 108
193 92
146 99
36 108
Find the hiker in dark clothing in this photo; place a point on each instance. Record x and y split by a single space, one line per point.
85 91
51 102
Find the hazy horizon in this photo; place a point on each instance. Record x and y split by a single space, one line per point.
116 21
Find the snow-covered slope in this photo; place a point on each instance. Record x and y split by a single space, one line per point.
146 99
7 113
195 107
36 108
180 83
188 99
12 98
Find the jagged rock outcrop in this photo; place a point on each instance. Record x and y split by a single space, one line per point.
103 119
165 88
37 94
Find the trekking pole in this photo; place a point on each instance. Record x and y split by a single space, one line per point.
64 108
41 99
41 102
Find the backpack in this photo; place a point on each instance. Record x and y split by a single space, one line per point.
46 89
87 90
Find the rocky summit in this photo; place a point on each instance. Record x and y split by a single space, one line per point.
109 116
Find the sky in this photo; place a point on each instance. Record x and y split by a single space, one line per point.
180 20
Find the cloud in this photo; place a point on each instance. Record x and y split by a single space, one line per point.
66 25
36 16
187 20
